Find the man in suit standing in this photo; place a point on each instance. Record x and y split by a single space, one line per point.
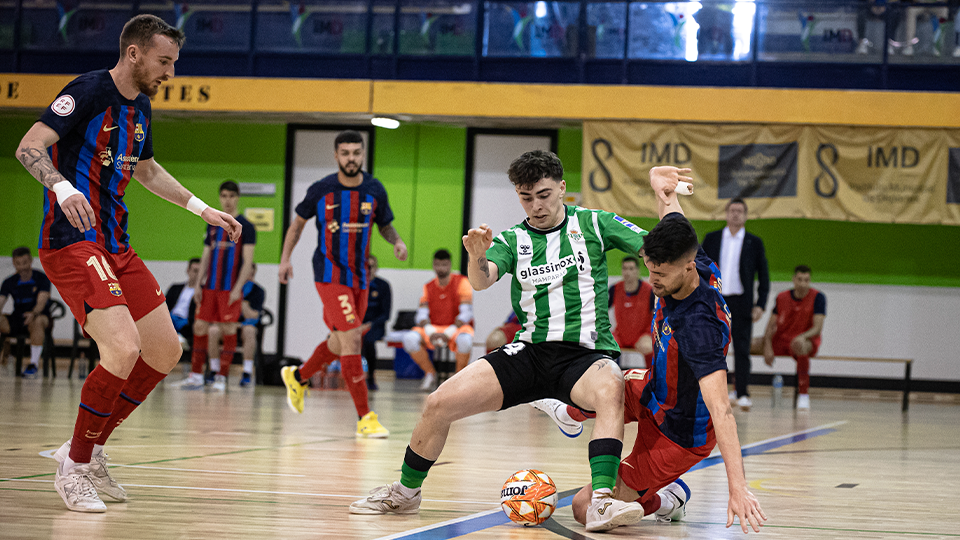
741 258
180 301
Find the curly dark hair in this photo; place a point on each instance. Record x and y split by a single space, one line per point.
531 167
673 239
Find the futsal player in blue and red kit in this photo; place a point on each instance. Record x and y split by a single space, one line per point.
99 136
225 267
680 404
347 205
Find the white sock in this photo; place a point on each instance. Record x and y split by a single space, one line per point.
215 365
248 366
67 465
666 505
408 492
607 492
97 449
35 354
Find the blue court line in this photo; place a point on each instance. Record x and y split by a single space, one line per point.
493 518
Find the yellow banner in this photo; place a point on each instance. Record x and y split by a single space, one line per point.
213 94
783 171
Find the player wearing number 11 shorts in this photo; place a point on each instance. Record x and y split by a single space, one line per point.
84 150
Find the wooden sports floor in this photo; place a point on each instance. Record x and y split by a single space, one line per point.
240 464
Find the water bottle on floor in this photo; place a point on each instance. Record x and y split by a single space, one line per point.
777 390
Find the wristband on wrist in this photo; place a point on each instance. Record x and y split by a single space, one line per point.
196 206
64 190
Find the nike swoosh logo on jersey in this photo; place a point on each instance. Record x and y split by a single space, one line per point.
105 128
332 206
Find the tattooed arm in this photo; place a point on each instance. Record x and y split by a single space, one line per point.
482 273
32 153
390 234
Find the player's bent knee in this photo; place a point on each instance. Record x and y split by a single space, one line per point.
464 343
411 341
581 501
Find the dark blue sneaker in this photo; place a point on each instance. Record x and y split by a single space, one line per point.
209 378
245 380
31 372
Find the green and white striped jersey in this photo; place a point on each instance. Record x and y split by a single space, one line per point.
559 288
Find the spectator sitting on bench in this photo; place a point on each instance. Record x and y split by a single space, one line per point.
632 302
443 319
251 310
181 305
794 329
504 333
375 320
30 290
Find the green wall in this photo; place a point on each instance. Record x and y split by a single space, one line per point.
200 155
423 167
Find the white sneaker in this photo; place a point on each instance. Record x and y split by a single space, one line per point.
606 513
99 472
732 396
956 52
677 493
864 46
907 50
744 403
387 499
219 383
77 490
803 402
557 410
429 382
194 381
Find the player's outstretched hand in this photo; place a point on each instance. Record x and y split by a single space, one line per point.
478 240
664 180
223 220
746 508
79 212
285 272
400 250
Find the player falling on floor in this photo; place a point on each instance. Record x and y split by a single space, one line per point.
680 404
346 204
557 257
225 268
98 132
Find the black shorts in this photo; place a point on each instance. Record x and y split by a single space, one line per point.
531 371
16 324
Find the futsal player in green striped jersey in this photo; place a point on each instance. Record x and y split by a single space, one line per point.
565 349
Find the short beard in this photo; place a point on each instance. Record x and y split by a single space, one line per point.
347 174
143 85
444 275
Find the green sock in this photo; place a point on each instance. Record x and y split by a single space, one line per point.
603 470
412 478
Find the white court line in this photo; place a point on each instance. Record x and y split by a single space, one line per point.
258 492
208 471
716 451
438 525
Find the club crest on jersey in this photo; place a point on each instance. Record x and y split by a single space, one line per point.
575 235
106 156
366 208
628 225
333 226
115 289
138 133
350 318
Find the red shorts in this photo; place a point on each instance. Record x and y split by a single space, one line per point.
781 347
343 307
89 278
655 460
215 307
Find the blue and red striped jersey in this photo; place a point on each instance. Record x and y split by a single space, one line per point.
226 257
692 336
344 219
102 137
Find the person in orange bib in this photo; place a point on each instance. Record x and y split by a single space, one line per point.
444 319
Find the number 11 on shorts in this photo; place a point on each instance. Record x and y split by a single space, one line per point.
102 270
